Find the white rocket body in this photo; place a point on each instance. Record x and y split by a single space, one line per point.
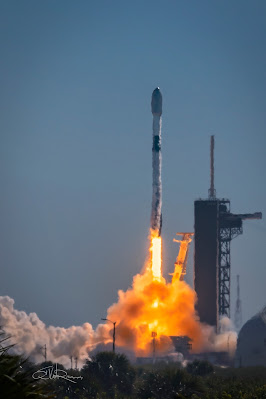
156 210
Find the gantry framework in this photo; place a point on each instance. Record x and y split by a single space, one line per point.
230 226
215 227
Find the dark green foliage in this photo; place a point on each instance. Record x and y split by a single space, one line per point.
16 381
110 376
246 383
199 367
108 373
169 382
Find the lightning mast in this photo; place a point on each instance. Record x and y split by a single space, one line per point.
215 227
212 191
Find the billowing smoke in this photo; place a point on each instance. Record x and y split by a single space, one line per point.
30 334
226 340
146 316
155 306
167 309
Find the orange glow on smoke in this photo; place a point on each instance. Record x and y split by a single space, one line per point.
154 305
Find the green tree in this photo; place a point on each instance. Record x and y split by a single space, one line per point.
16 380
110 374
199 367
169 382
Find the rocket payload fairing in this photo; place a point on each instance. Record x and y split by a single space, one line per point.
156 210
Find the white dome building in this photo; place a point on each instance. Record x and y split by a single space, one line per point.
251 343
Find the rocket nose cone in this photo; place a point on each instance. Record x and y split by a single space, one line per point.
156 102
157 93
156 90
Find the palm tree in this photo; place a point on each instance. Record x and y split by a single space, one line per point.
16 380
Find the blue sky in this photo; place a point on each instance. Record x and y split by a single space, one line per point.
76 136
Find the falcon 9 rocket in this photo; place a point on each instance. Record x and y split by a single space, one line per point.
156 210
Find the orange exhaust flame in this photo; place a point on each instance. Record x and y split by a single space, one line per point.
156 256
153 305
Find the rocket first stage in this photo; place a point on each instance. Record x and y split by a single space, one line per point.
156 210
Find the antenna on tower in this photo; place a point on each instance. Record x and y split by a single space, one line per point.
212 191
238 311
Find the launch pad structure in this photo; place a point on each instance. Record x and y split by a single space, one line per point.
215 227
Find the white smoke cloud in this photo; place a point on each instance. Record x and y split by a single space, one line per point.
29 334
225 341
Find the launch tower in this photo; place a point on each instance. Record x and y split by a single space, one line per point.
215 227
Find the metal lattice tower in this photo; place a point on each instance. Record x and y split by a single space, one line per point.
238 310
215 227
230 226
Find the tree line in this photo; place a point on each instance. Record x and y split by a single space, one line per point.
111 376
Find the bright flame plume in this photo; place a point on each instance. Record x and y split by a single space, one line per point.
156 256
153 305
148 313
